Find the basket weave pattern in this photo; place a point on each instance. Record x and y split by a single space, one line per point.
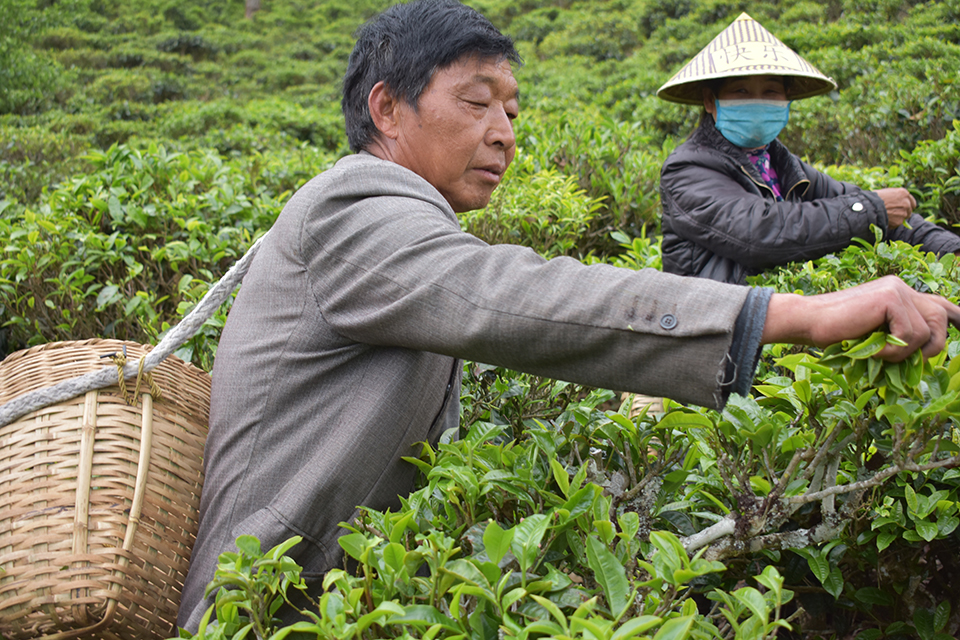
99 500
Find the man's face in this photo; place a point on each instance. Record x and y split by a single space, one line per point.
460 136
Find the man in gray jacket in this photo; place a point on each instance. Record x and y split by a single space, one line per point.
343 349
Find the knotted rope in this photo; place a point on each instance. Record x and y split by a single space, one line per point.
179 334
120 359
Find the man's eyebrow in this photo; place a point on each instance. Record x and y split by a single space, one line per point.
491 81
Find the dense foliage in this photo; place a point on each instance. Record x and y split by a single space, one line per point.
146 145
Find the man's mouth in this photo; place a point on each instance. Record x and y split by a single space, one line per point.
492 172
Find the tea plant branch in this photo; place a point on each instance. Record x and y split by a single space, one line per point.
652 474
798 456
631 472
768 466
797 539
816 466
702 538
874 480
179 334
816 482
828 506
830 527
723 470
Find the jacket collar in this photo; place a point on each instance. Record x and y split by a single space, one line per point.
788 168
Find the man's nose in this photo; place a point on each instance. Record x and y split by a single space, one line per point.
501 129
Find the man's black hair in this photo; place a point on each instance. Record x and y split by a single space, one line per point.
404 46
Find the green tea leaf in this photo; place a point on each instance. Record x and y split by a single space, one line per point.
497 541
868 347
609 573
635 626
913 505
873 595
393 554
355 544
675 629
927 530
941 616
834 582
923 623
425 615
560 475
754 601
682 420
249 545
526 539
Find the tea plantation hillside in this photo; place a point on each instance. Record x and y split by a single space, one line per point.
145 145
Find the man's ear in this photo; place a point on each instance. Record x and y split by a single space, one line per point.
384 109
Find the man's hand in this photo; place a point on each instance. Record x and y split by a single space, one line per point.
919 319
899 203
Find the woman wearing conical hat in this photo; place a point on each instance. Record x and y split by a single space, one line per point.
735 200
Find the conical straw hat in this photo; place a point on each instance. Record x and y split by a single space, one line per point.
745 48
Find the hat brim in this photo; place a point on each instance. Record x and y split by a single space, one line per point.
691 92
745 48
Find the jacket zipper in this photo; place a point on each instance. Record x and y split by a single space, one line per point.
805 182
764 185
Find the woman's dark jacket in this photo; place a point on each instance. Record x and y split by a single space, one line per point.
721 221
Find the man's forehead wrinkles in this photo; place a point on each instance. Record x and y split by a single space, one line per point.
491 81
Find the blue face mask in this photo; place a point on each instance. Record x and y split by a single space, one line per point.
752 123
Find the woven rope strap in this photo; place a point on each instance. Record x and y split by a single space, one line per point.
191 323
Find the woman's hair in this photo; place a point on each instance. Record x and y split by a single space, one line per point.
404 46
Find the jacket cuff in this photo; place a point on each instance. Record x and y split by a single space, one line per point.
745 349
878 206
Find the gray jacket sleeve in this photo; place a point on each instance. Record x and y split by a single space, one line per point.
395 269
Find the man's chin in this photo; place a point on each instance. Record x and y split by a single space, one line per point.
470 204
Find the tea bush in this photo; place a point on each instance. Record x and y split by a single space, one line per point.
27 77
525 526
614 162
541 209
146 145
120 252
125 249
34 158
555 514
934 168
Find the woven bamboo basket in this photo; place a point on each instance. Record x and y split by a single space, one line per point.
99 499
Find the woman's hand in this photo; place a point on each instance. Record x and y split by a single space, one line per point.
899 203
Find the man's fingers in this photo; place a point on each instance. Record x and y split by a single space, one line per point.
953 313
935 345
938 331
920 321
